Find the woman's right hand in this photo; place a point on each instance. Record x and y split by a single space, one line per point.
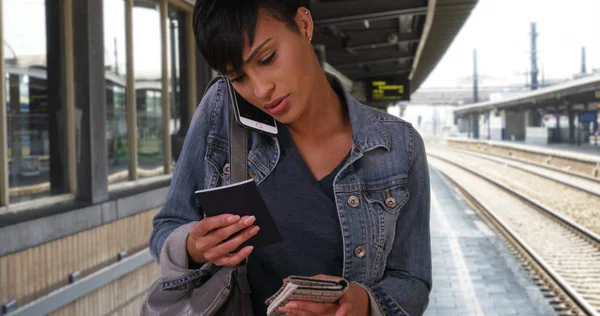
209 239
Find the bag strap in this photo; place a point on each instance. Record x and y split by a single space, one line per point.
238 142
238 171
238 149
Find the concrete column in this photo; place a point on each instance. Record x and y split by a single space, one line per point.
489 125
578 129
475 123
571 115
597 109
470 124
503 130
558 133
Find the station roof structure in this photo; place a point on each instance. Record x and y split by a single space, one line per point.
398 40
401 40
581 91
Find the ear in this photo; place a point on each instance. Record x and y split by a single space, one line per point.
305 22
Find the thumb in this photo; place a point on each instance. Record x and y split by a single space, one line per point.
343 310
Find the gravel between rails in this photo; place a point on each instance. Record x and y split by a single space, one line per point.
580 206
574 180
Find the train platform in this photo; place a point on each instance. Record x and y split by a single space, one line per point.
474 272
584 148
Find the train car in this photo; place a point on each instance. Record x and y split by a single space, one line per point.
28 127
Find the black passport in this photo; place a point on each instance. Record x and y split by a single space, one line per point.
243 199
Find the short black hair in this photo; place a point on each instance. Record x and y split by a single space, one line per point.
222 26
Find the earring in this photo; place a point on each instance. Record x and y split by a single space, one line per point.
310 39
306 12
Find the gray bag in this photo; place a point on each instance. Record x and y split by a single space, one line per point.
227 292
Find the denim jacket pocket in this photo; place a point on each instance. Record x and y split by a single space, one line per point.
383 206
389 199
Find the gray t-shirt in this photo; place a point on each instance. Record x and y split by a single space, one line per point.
305 213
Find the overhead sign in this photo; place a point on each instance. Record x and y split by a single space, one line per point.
387 90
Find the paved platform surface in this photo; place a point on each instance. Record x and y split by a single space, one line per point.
474 273
588 149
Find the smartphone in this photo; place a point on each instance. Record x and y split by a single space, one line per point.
249 116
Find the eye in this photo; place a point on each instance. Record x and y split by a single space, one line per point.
238 79
268 60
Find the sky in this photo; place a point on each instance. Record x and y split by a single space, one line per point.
500 31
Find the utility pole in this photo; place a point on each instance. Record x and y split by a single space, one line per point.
583 66
475 78
534 67
116 57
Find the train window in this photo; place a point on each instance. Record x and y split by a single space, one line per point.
25 59
147 68
115 66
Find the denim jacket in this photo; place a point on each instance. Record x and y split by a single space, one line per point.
381 193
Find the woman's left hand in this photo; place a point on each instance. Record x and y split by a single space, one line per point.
354 302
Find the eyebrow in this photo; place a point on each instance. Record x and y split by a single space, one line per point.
252 55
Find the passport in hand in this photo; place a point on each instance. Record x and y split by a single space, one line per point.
243 199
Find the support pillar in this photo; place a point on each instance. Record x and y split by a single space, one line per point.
90 100
470 124
571 115
558 133
489 125
596 127
578 129
475 123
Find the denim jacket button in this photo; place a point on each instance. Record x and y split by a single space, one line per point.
391 202
360 251
226 169
353 201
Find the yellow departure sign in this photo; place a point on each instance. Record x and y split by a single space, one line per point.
385 90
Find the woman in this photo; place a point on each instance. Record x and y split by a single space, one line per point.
347 185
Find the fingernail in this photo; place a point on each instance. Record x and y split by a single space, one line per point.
249 220
255 230
291 306
233 219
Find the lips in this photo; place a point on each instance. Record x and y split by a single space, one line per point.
277 105
274 103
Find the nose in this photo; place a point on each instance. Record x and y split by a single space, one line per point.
263 87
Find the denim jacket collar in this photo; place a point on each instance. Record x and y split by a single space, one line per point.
367 131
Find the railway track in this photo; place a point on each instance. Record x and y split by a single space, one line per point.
571 179
562 256
564 195
518 156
